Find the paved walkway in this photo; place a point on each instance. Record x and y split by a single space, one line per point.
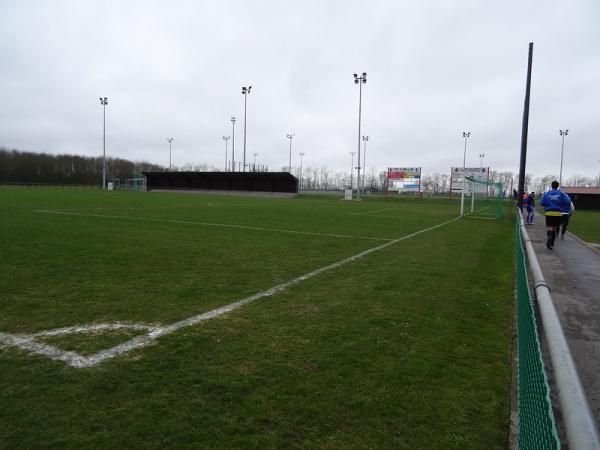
572 271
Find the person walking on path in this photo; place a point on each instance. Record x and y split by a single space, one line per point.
566 215
554 202
530 205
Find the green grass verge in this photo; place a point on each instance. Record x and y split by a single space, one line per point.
586 225
408 347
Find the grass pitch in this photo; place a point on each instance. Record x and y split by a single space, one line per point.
406 347
586 225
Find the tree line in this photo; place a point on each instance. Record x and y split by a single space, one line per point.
43 168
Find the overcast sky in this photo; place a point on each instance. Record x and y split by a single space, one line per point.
175 69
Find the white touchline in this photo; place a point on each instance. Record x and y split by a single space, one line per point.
371 212
210 224
28 341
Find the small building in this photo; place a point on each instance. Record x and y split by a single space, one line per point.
584 197
274 183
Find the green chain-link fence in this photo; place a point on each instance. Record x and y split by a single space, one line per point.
537 429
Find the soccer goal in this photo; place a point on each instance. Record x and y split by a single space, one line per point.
134 184
482 198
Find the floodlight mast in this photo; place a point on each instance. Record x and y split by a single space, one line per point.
170 140
351 167
103 102
360 81
290 136
254 162
226 138
563 133
301 156
365 139
466 135
245 92
233 119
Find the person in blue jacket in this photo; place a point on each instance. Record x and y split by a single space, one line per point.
554 202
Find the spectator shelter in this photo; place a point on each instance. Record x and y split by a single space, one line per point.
584 197
270 182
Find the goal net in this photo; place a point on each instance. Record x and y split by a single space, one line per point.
482 198
134 184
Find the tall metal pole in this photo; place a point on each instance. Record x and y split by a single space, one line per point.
103 102
481 156
562 151
245 103
351 168
365 139
301 155
103 145
466 135
169 140
290 136
232 144
245 91
524 130
226 138
359 120
360 81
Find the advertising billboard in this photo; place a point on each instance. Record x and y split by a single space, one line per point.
479 173
404 179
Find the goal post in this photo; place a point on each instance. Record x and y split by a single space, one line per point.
135 184
484 198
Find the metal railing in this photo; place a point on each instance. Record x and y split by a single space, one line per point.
579 423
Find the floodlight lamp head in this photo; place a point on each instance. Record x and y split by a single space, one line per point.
364 75
355 75
232 119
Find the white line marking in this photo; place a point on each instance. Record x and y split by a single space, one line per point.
96 327
103 208
210 224
27 342
371 212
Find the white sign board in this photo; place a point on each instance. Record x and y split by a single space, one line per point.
479 173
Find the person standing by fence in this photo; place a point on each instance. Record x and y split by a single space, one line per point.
554 202
530 205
